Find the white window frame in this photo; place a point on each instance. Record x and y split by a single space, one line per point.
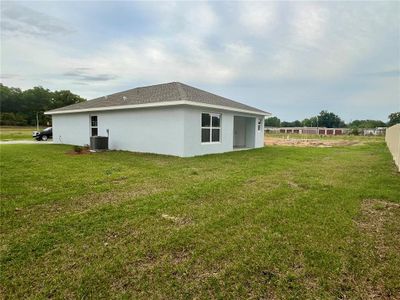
211 127
91 125
259 124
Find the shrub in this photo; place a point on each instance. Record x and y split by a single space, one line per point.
12 119
354 131
78 149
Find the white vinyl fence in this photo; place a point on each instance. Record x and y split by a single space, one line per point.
392 139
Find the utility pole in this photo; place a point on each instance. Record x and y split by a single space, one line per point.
37 121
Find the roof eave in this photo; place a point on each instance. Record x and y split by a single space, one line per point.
158 104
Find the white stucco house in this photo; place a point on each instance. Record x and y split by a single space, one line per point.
171 118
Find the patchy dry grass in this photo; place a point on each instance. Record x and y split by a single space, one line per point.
8 133
276 223
379 224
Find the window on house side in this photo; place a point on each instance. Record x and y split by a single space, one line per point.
93 126
210 128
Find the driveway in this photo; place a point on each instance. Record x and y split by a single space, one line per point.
14 142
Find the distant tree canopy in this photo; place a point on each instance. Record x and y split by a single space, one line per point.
311 122
296 123
20 107
273 122
324 119
329 120
367 124
394 118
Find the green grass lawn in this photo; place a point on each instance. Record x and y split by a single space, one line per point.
16 132
277 222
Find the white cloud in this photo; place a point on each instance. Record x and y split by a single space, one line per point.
382 94
238 53
200 19
118 63
30 60
199 43
329 42
309 23
20 20
257 17
156 60
194 18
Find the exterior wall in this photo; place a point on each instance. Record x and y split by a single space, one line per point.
192 131
259 140
71 129
392 139
168 130
155 130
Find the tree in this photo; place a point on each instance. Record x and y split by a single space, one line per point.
329 120
311 122
273 122
35 101
367 124
10 99
394 118
20 107
296 123
314 121
306 123
64 98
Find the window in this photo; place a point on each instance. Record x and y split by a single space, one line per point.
210 128
93 126
259 124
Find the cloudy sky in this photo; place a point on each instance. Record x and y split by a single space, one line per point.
290 58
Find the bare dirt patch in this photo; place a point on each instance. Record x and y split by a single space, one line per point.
273 141
81 152
176 220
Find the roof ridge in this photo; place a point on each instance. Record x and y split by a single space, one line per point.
129 90
181 91
215 95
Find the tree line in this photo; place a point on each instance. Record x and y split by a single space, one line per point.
331 120
20 107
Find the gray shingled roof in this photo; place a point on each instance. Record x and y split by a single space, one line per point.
159 93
